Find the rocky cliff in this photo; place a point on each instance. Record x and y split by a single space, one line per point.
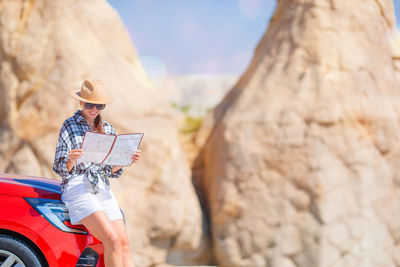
196 94
47 48
302 165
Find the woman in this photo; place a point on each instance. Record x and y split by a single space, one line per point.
85 186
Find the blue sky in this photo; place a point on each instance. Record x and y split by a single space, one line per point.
178 37
397 11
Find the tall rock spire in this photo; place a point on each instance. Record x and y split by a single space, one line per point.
47 49
305 155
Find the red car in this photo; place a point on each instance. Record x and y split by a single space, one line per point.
35 229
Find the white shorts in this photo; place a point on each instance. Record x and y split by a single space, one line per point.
80 202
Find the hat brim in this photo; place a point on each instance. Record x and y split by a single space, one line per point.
106 100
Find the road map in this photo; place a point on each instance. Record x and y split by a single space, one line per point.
110 149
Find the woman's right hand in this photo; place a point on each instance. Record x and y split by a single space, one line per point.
74 154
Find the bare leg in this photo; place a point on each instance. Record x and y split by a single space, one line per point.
120 229
103 229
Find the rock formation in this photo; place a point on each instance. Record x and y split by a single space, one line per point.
47 48
193 96
302 166
395 45
197 93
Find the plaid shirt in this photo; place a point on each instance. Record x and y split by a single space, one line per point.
71 137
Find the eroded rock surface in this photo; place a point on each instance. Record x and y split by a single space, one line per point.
47 48
302 166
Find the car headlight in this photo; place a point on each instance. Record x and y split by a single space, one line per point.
55 212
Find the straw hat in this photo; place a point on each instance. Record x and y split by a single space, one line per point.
92 91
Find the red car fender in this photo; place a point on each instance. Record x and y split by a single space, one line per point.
27 222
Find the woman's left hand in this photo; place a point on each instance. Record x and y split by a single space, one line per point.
135 157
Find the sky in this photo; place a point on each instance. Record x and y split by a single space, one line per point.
179 37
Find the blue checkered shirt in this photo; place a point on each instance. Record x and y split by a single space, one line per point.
71 137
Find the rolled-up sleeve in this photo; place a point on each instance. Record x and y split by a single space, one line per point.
61 156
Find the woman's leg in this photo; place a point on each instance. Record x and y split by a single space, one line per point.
103 229
120 229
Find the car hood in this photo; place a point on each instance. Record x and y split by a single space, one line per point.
29 186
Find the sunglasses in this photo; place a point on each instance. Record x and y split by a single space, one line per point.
98 106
